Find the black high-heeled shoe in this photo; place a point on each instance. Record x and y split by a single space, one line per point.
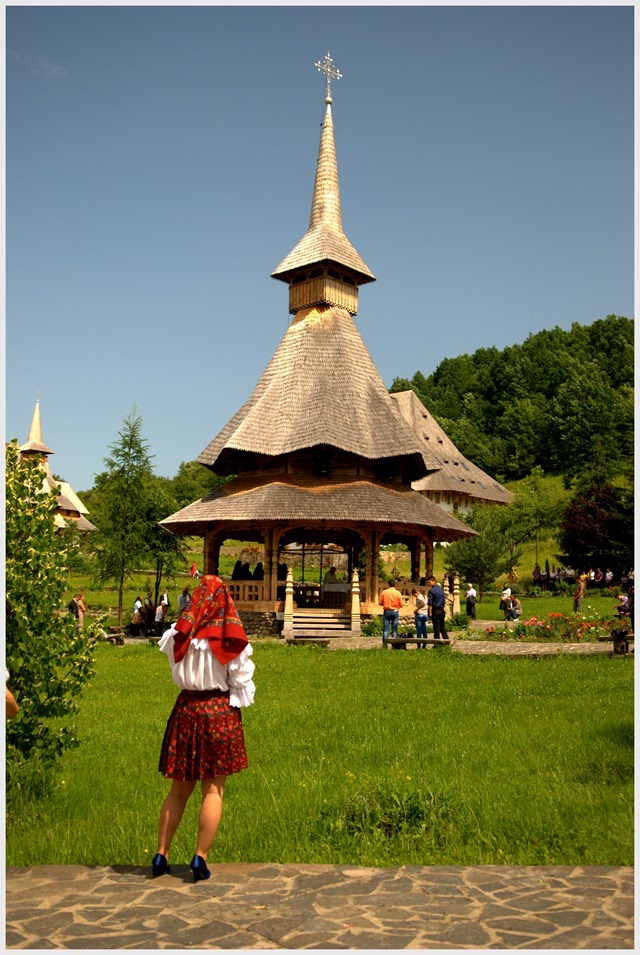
199 869
159 865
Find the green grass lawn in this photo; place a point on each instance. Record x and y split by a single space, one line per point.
359 757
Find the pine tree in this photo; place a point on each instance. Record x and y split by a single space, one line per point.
120 506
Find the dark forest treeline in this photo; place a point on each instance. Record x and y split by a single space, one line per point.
557 400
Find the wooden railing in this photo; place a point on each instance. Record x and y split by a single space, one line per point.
246 591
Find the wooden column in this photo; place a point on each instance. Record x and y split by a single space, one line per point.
416 548
287 629
448 596
375 560
368 564
456 595
212 543
270 565
355 602
428 558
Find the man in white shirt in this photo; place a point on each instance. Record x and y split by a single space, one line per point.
470 598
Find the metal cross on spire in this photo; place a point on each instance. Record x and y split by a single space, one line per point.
330 72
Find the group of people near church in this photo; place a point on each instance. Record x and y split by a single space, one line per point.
242 571
510 604
148 617
430 606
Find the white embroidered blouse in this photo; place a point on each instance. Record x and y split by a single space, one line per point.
199 670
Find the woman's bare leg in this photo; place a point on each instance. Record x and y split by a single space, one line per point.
210 813
171 813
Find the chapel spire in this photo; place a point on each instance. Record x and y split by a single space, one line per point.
34 442
324 268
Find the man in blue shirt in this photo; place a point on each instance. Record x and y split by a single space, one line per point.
436 601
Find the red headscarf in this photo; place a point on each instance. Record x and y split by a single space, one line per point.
211 616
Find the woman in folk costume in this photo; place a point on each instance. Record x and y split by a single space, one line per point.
210 661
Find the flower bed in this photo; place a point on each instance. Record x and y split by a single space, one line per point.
556 627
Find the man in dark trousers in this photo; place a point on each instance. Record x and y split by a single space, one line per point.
436 602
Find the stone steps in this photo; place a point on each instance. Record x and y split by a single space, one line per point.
313 624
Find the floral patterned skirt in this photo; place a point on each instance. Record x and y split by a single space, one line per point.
204 737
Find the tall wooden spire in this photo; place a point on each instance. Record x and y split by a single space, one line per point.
34 442
324 268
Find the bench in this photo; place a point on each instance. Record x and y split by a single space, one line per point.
621 638
403 641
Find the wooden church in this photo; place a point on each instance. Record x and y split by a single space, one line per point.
311 473
69 511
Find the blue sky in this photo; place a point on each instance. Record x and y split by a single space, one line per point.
160 164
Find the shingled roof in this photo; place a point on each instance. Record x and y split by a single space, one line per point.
325 239
320 388
311 499
449 469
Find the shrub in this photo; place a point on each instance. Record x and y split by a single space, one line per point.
459 620
372 628
49 661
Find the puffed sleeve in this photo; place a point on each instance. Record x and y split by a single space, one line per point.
239 677
165 643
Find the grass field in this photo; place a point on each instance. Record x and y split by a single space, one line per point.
359 757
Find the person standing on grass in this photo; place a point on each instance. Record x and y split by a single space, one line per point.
392 600
578 593
79 598
149 614
184 600
209 655
159 621
437 601
504 599
422 616
470 601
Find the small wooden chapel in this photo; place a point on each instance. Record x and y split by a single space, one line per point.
309 472
69 511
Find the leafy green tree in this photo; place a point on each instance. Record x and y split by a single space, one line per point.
582 410
165 551
192 482
483 558
534 510
49 661
522 429
122 538
596 528
540 403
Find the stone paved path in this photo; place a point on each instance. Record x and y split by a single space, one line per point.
321 907
512 649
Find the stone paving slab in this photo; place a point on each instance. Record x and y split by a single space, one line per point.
258 906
